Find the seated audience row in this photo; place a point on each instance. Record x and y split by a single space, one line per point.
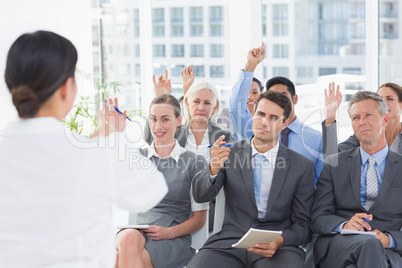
268 175
212 255
281 194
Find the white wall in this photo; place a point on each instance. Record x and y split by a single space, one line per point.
69 18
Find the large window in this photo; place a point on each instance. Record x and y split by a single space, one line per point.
351 41
196 21
216 51
177 51
199 70
217 71
307 41
216 21
158 22
390 42
189 33
197 51
72 19
159 51
176 22
280 51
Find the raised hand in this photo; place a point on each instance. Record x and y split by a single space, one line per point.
333 99
218 155
187 76
114 119
163 86
254 57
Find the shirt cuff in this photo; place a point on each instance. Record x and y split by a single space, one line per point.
338 228
324 125
241 86
212 178
248 75
392 243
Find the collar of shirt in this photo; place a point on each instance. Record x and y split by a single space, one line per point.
379 156
295 126
269 155
175 154
205 140
34 126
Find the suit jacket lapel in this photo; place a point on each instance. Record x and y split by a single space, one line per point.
281 169
354 166
215 132
247 170
391 166
212 129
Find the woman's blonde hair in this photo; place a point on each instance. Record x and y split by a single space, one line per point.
197 86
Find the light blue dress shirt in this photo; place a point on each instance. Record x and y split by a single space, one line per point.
241 117
308 142
267 174
380 160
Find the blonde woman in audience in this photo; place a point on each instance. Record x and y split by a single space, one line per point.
200 105
56 197
167 243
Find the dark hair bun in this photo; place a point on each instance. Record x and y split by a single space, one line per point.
26 101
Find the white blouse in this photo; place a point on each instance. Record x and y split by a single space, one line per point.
202 149
57 192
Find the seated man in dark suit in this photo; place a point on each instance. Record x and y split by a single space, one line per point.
267 186
361 189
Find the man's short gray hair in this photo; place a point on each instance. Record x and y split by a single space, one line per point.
367 95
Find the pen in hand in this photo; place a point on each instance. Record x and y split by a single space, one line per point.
117 110
222 145
366 220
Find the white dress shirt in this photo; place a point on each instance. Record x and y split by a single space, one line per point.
202 149
175 154
267 173
56 195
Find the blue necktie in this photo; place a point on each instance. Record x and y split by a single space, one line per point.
285 136
258 159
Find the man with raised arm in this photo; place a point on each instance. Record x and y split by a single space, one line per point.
297 135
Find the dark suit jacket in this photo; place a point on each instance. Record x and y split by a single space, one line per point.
181 134
289 201
337 198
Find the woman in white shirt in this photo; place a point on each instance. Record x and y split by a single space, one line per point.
167 243
56 193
